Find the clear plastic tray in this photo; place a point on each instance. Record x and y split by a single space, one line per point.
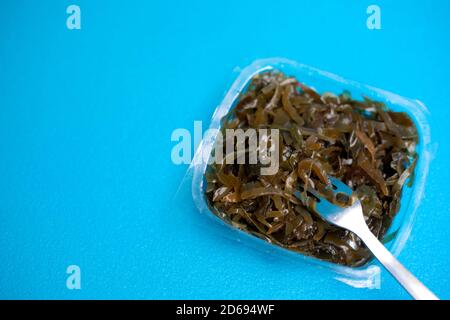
367 276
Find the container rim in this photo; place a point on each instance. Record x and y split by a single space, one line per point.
368 275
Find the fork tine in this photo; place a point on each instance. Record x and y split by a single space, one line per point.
314 193
341 187
299 195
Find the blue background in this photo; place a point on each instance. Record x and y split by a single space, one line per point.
86 117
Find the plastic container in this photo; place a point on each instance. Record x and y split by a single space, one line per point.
367 276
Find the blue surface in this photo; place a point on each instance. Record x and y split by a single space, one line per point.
85 123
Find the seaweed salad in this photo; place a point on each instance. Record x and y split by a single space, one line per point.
360 142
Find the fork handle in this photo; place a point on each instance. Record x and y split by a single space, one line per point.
414 287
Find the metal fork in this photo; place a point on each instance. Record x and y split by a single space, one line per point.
351 218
